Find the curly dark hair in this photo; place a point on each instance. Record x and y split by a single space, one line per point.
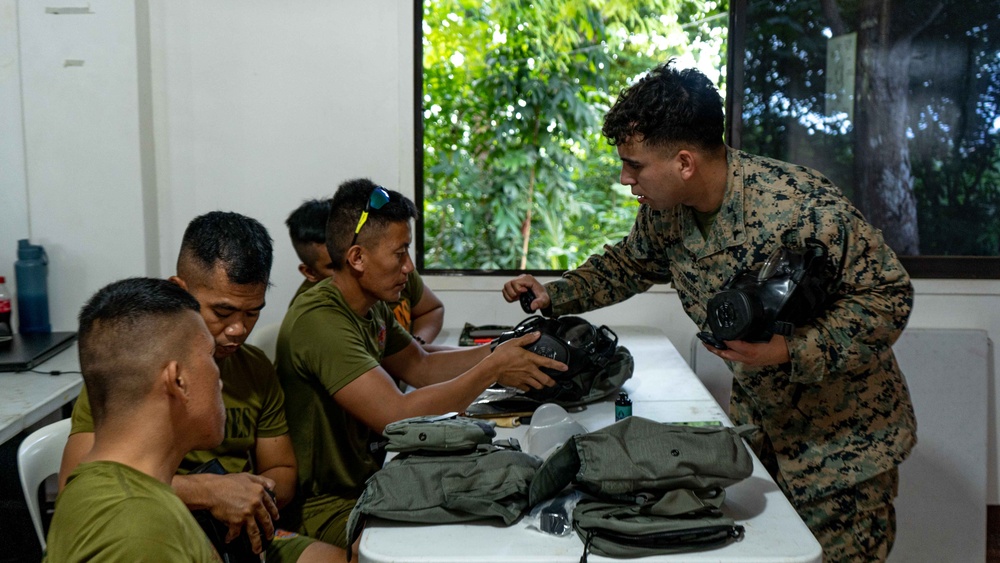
668 106
241 245
345 210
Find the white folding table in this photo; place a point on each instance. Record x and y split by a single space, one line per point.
29 396
662 388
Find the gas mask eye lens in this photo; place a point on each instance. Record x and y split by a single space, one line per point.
578 336
776 263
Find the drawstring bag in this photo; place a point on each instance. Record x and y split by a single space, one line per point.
655 487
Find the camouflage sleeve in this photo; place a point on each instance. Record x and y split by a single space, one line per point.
872 302
624 269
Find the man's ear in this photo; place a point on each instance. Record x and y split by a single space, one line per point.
183 284
356 258
174 382
309 273
687 164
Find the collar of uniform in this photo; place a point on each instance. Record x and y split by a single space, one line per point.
728 229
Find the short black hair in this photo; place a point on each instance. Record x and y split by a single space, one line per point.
668 106
119 316
346 207
239 244
307 227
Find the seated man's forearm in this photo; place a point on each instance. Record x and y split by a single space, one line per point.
284 483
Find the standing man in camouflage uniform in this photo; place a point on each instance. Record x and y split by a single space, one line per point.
832 406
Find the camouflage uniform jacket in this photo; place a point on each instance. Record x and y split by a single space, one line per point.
839 412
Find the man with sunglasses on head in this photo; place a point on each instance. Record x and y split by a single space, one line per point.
225 263
832 407
341 351
418 310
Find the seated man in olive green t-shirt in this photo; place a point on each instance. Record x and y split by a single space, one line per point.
225 262
340 348
152 403
418 309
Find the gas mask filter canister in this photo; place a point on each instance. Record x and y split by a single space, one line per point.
788 290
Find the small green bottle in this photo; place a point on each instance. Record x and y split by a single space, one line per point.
623 406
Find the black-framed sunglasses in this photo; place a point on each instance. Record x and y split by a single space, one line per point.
377 200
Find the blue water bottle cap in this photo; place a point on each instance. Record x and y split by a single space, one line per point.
27 251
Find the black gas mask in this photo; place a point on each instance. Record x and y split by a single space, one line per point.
788 290
570 340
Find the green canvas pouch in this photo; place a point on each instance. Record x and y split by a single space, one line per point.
680 520
637 454
655 488
489 483
435 434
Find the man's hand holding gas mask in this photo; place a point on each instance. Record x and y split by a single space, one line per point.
521 368
757 354
526 285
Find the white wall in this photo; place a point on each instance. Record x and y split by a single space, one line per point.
260 105
74 185
13 183
186 106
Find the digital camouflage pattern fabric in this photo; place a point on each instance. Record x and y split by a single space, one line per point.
839 413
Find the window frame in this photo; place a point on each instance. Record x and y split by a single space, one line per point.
924 267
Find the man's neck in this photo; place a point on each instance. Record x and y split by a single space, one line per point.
355 297
714 177
150 450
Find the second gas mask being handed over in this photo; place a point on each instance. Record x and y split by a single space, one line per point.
788 290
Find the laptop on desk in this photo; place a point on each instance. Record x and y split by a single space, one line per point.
26 351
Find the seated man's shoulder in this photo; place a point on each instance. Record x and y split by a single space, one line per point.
247 373
331 317
253 356
112 482
248 363
110 511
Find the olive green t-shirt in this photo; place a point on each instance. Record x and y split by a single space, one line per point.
110 512
255 408
402 309
322 347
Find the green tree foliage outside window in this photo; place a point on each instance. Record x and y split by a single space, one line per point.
920 156
516 175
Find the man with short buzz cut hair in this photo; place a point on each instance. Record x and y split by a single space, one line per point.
307 229
152 404
418 309
225 262
340 348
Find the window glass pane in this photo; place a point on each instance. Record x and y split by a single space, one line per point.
516 174
899 107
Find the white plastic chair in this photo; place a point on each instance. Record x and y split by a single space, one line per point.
38 457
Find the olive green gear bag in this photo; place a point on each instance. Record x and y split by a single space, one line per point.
447 471
680 520
435 434
654 488
640 455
